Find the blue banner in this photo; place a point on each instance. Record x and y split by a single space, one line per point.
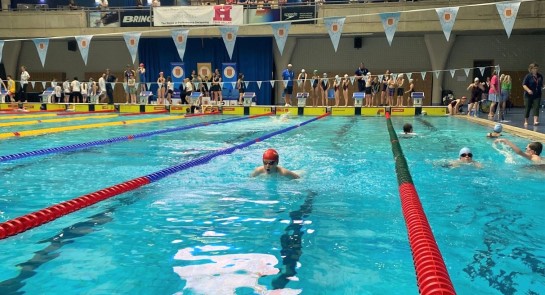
177 73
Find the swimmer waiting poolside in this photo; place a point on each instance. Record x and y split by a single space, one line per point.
270 166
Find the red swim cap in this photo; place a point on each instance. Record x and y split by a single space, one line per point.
271 155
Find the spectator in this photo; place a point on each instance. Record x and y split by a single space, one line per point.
532 84
103 5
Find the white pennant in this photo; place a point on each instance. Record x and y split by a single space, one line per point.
380 77
352 78
409 75
312 81
285 83
508 14
482 70
112 84
389 23
209 84
272 83
180 40
233 84
299 82
437 74
41 45
259 84
132 40
246 83
447 17
452 73
229 35
33 83
466 70
423 74
334 27
280 32
338 80
83 43
497 69
148 85
197 85
43 84
394 76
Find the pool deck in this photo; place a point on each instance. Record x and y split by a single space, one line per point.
514 122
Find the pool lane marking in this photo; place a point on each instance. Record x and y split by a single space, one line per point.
90 144
87 126
37 218
6 117
33 122
430 268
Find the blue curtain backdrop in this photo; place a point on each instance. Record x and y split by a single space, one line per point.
253 55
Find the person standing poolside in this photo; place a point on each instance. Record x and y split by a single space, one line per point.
314 88
476 89
25 76
142 77
361 73
532 152
532 84
493 93
270 166
110 82
288 75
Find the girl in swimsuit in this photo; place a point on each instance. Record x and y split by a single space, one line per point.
345 89
314 91
324 86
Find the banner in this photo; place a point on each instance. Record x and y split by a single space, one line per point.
41 45
334 27
307 12
229 75
198 15
180 40
132 39
1 49
136 18
447 17
280 32
204 69
103 19
83 43
508 13
177 73
229 35
389 22
257 16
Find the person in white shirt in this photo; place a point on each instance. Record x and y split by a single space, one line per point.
66 90
188 90
76 91
24 83
102 88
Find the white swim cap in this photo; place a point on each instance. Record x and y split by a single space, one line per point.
498 128
464 150
303 70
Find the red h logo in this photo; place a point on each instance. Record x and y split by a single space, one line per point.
222 13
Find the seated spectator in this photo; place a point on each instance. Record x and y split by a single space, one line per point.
103 5
72 5
266 4
156 3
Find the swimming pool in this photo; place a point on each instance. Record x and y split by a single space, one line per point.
211 229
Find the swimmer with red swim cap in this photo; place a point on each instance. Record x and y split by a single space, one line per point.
270 166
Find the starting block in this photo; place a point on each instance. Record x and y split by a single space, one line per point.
302 99
46 95
144 97
3 94
417 98
248 98
195 98
358 98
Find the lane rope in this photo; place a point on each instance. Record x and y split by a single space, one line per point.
85 145
431 273
37 218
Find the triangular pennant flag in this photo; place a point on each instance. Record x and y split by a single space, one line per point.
148 85
338 80
436 74
43 84
423 74
394 76
389 22
112 84
482 70
246 83
497 68
380 77
409 75
41 45
83 44
447 17
1 49
452 73
221 84
32 83
272 83
234 84
508 14
197 85
132 39
466 70
334 27
352 78
229 35
299 82
209 84
180 40
259 84
280 32
285 83
312 81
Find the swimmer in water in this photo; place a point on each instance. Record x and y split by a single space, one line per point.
532 152
270 166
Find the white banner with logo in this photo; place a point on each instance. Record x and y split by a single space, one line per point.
229 35
132 39
447 17
198 15
389 22
41 45
83 43
334 27
508 13
280 32
180 40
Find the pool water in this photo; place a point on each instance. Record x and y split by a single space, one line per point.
212 229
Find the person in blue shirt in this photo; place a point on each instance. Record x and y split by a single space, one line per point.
360 73
288 75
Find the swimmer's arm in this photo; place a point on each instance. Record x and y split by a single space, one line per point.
257 171
288 173
515 148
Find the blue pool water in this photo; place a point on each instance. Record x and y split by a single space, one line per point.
212 229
